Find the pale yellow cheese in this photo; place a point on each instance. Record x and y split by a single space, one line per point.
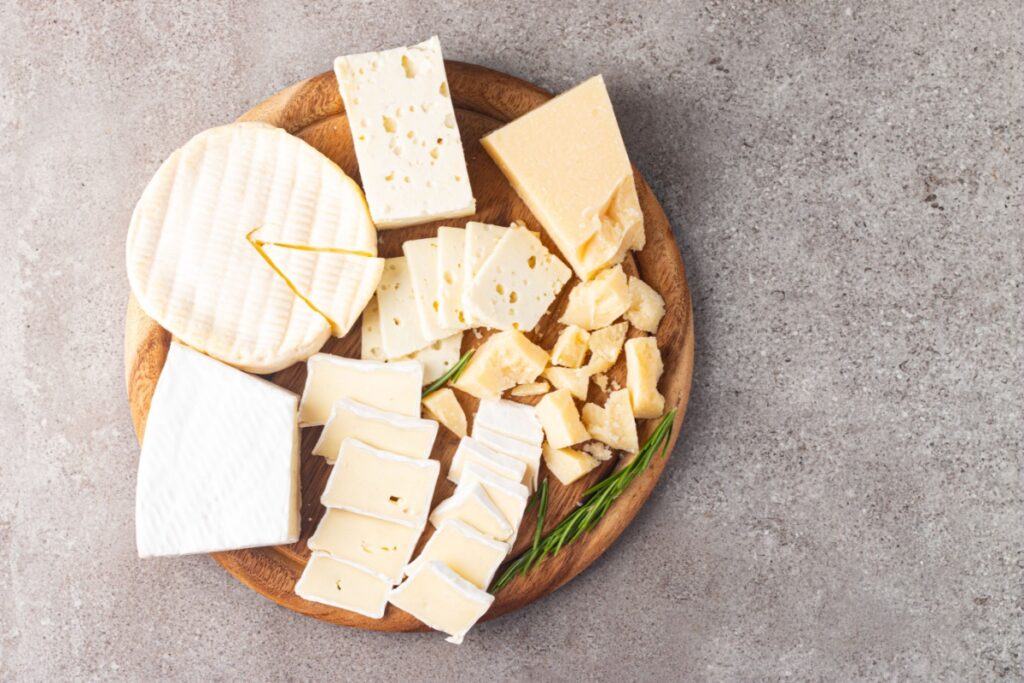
601 380
527 453
395 387
379 545
567 464
530 389
560 419
605 346
343 584
436 357
471 504
473 451
442 599
571 347
508 496
599 302
598 450
443 406
409 436
470 554
614 424
574 380
566 159
503 361
646 307
643 370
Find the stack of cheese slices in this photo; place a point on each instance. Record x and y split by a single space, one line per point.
252 248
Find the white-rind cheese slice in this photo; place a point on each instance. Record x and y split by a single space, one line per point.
412 437
422 259
509 496
527 453
515 420
470 554
220 460
192 268
376 544
339 583
442 600
471 504
472 451
393 387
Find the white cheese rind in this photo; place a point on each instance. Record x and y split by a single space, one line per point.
412 437
515 420
442 600
343 584
508 496
472 451
470 554
528 453
393 387
471 504
378 545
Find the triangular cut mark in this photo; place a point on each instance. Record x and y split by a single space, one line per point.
256 242
259 249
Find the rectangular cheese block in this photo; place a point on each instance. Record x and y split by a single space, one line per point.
381 484
394 387
442 600
376 544
405 135
436 357
643 370
472 451
409 436
400 329
527 453
451 252
443 406
508 496
471 504
470 554
422 258
338 583
517 283
503 361
516 420
567 161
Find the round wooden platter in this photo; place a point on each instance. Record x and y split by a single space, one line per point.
484 100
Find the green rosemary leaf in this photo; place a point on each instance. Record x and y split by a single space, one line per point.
450 376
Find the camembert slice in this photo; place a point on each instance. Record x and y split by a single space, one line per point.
472 555
393 387
376 544
442 600
472 451
471 504
412 437
343 584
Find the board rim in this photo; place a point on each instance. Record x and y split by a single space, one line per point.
474 88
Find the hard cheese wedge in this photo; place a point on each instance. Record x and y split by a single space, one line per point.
220 459
444 407
343 584
381 484
467 552
437 357
442 600
376 544
503 361
193 270
405 134
393 387
471 504
566 159
409 436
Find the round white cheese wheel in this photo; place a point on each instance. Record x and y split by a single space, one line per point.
193 268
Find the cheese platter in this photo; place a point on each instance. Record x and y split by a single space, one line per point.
479 349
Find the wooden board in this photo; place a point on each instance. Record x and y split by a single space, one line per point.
484 100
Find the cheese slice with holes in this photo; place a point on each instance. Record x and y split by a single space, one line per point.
451 254
470 554
442 600
193 269
405 134
400 330
422 259
339 583
400 434
393 387
437 358
379 545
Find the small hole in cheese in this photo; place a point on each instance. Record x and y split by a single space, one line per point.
410 68
410 135
436 307
513 297
440 141
390 176
338 584
433 153
389 124
532 262
396 321
443 89
448 279
499 289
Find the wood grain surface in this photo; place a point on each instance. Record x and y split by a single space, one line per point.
484 100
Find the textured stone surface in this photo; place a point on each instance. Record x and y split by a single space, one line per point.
846 501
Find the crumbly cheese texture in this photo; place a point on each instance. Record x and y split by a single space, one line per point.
613 424
470 554
516 284
376 544
405 134
422 258
562 425
503 361
643 370
343 584
471 504
646 306
574 380
219 468
566 159
598 303
193 269
393 387
444 407
530 389
568 464
412 437
605 346
437 357
570 348
442 599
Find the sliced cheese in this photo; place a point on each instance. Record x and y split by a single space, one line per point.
643 370
566 159
562 424
343 584
376 544
473 451
515 420
646 307
574 380
400 330
405 135
481 239
527 453
605 346
470 554
571 347
443 406
393 387
503 361
219 468
451 254
613 424
471 504
422 258
568 464
509 496
381 484
409 436
193 270
599 302
442 600
530 389
437 358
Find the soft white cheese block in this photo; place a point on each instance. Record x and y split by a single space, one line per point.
509 496
527 453
422 258
343 584
513 419
400 329
471 504
393 387
437 358
409 436
451 252
376 544
381 484
442 600
471 450
220 459
405 135
470 554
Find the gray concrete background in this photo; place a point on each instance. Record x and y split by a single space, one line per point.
845 180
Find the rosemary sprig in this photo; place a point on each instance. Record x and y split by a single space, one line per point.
449 376
595 503
542 513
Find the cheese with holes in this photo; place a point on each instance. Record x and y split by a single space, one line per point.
613 424
393 387
515 420
343 584
422 258
400 434
405 134
574 380
400 330
481 239
643 370
571 347
193 269
470 554
451 253
562 424
473 451
568 464
599 302
442 600
381 484
503 361
443 406
517 283
376 544
605 346
566 159
471 504
508 496
530 389
646 307
219 468
437 357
